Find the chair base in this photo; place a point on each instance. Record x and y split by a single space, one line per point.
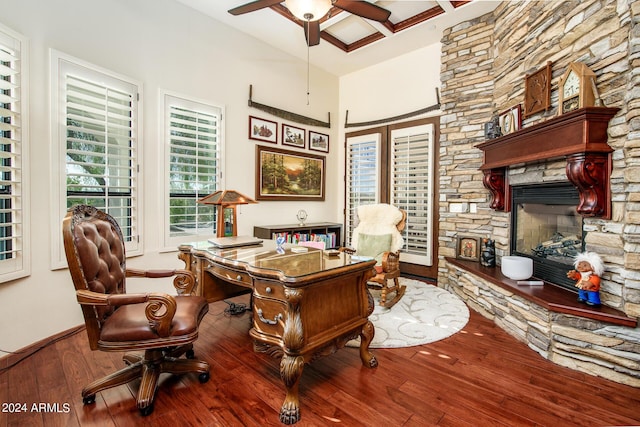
148 368
385 290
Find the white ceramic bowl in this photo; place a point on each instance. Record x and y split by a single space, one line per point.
517 267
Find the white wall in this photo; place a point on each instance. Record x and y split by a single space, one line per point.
399 86
166 46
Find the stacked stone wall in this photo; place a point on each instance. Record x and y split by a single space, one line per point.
484 63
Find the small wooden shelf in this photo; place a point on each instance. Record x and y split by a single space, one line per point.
267 231
549 296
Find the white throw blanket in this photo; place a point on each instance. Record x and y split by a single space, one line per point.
379 219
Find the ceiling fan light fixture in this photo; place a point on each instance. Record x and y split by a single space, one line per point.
308 10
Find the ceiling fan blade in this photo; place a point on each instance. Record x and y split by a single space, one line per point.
253 6
364 9
312 32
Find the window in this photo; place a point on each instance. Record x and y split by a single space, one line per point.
363 166
14 210
193 134
396 164
412 188
96 132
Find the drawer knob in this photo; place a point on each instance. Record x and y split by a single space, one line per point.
239 277
268 290
268 321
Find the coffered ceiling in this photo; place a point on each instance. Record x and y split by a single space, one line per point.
348 42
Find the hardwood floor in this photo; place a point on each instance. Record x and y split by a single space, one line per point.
479 377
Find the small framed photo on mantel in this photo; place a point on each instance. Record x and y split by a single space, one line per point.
511 120
468 248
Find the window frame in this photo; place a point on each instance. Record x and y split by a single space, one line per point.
62 64
167 100
350 213
20 265
409 132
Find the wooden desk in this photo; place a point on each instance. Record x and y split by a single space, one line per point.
304 305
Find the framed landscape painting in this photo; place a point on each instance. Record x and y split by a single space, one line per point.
289 175
263 130
318 141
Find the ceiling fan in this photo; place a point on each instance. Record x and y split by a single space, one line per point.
311 11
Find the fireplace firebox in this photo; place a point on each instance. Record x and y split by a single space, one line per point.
546 227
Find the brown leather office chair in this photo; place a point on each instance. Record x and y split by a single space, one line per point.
378 235
162 325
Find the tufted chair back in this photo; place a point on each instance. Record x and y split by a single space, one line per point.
96 256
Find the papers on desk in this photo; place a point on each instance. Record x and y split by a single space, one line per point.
234 241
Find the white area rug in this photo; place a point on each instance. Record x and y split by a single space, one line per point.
425 314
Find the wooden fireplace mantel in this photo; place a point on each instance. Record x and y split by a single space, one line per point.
580 136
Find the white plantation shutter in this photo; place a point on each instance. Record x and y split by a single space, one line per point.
412 189
194 138
363 165
97 133
101 165
14 221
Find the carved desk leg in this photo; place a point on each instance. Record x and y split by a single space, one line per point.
292 364
290 371
368 359
366 336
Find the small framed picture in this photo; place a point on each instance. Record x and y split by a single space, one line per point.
511 120
263 130
318 141
468 248
293 136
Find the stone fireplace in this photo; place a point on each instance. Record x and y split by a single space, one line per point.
546 227
484 64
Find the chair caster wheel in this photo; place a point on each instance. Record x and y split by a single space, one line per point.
190 354
88 400
146 411
203 377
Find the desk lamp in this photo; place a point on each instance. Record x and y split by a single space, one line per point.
226 202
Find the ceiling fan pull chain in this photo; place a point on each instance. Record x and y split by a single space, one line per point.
308 72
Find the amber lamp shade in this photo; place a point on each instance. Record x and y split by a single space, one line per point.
226 201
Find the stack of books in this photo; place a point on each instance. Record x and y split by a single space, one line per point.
329 239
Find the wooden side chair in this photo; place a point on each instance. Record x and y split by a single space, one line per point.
379 235
164 327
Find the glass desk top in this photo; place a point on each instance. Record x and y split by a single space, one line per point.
285 259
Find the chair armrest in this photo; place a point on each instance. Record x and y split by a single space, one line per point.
184 282
159 311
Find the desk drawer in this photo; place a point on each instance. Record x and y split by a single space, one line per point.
235 276
268 290
269 316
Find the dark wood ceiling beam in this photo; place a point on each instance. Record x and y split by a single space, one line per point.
459 3
393 28
417 19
